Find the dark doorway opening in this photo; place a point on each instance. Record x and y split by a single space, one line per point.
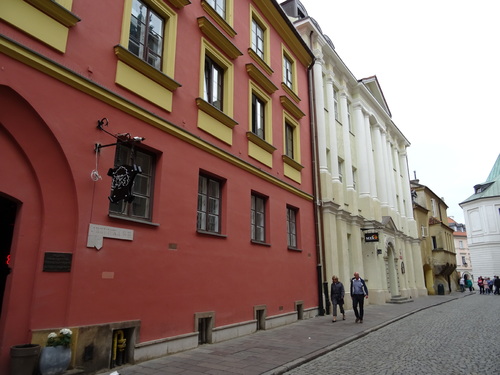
8 210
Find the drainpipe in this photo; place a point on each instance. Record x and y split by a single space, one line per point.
318 215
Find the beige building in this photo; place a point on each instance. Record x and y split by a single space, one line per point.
365 212
438 249
464 264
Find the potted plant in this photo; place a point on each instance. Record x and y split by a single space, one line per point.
56 355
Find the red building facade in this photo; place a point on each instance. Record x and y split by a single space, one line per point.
208 101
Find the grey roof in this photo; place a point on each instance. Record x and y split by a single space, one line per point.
489 188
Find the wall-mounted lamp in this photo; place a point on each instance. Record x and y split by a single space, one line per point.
120 137
379 251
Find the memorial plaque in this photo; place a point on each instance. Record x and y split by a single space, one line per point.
57 262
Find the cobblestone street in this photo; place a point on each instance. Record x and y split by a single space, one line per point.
460 337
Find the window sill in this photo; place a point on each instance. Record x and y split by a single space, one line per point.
211 234
215 113
218 38
291 107
261 62
126 218
152 73
260 142
261 79
295 249
290 92
255 242
217 18
292 163
56 11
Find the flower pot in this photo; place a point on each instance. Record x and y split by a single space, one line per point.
23 359
54 360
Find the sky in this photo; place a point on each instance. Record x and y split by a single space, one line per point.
438 64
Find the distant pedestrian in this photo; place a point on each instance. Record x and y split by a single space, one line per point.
489 285
462 284
480 284
359 292
469 285
337 295
496 284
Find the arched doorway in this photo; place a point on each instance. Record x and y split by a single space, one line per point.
391 269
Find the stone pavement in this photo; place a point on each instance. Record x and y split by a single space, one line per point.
278 350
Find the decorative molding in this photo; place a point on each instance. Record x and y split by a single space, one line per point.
217 18
291 107
215 113
56 11
289 91
261 79
213 33
260 142
292 163
259 61
179 4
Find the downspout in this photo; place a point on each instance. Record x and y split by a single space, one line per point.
318 215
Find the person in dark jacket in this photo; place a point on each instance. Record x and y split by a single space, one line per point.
337 296
359 292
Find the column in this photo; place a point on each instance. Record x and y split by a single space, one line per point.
334 154
363 187
346 140
380 167
319 112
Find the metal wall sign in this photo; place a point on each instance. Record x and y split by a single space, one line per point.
371 237
57 262
98 232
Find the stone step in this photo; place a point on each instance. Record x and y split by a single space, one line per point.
400 300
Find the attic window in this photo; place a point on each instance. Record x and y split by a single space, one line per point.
481 187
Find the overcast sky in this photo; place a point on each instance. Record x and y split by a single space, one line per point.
438 64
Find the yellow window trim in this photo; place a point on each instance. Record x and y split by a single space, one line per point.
225 63
288 55
152 73
219 39
60 13
226 25
169 32
292 163
179 4
82 84
260 142
255 16
261 79
291 107
268 115
290 92
259 61
288 119
287 32
216 113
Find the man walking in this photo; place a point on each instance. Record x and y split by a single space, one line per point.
359 292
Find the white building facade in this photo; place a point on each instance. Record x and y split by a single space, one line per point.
365 216
482 219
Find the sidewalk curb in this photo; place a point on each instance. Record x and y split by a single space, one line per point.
280 370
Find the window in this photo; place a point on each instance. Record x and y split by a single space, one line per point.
354 177
146 34
464 262
289 143
258 116
288 72
219 6
209 204
349 121
336 103
258 39
258 219
214 83
434 242
140 206
341 169
291 221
